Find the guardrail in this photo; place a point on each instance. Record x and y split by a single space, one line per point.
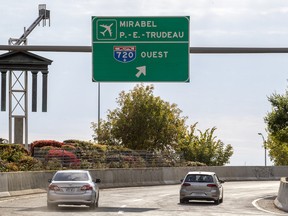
16 183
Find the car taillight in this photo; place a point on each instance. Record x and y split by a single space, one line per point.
211 185
186 184
86 187
54 187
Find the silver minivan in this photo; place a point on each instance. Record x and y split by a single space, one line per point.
199 185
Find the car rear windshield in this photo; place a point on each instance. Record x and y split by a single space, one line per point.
71 177
199 178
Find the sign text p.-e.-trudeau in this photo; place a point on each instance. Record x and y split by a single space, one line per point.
140 49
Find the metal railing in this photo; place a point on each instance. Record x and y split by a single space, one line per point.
87 159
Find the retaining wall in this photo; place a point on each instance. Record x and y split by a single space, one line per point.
17 183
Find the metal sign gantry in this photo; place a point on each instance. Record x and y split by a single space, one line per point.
18 63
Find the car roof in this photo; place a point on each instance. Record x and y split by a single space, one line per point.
72 171
201 172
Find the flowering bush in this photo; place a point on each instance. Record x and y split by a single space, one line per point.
67 158
42 143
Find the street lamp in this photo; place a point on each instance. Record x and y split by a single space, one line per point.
264 143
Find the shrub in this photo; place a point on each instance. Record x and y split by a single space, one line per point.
68 147
84 145
195 163
12 166
28 163
3 166
12 152
42 143
67 158
53 164
14 157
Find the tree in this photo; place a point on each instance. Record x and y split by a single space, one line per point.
141 122
278 151
277 127
277 119
205 148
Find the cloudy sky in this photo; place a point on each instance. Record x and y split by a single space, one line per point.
228 91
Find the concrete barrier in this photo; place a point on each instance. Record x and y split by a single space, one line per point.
18 183
282 199
4 185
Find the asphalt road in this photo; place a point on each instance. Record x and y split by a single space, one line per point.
240 198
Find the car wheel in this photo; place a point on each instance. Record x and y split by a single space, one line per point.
221 200
94 204
217 202
51 206
97 202
182 201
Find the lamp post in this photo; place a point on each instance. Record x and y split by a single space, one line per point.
264 143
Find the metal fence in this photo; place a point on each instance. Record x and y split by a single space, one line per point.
88 159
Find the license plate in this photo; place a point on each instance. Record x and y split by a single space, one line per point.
198 194
70 189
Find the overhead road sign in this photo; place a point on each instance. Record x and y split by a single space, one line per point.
140 49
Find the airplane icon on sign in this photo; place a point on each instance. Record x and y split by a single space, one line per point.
107 28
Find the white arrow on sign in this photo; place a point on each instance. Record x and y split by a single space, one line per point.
141 70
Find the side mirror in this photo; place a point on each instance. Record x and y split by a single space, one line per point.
49 180
181 180
221 181
97 181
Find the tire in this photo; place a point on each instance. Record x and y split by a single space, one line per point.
222 198
97 201
95 204
217 202
51 206
182 201
92 205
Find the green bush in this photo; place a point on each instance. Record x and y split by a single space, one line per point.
84 145
54 164
195 163
15 157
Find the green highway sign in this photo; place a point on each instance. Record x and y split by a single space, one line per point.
140 49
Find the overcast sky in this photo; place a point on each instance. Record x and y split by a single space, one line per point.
228 91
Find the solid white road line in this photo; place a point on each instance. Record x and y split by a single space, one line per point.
254 203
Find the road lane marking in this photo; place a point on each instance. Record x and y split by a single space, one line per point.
163 195
122 212
254 203
137 200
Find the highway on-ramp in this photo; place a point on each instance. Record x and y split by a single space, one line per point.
240 198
